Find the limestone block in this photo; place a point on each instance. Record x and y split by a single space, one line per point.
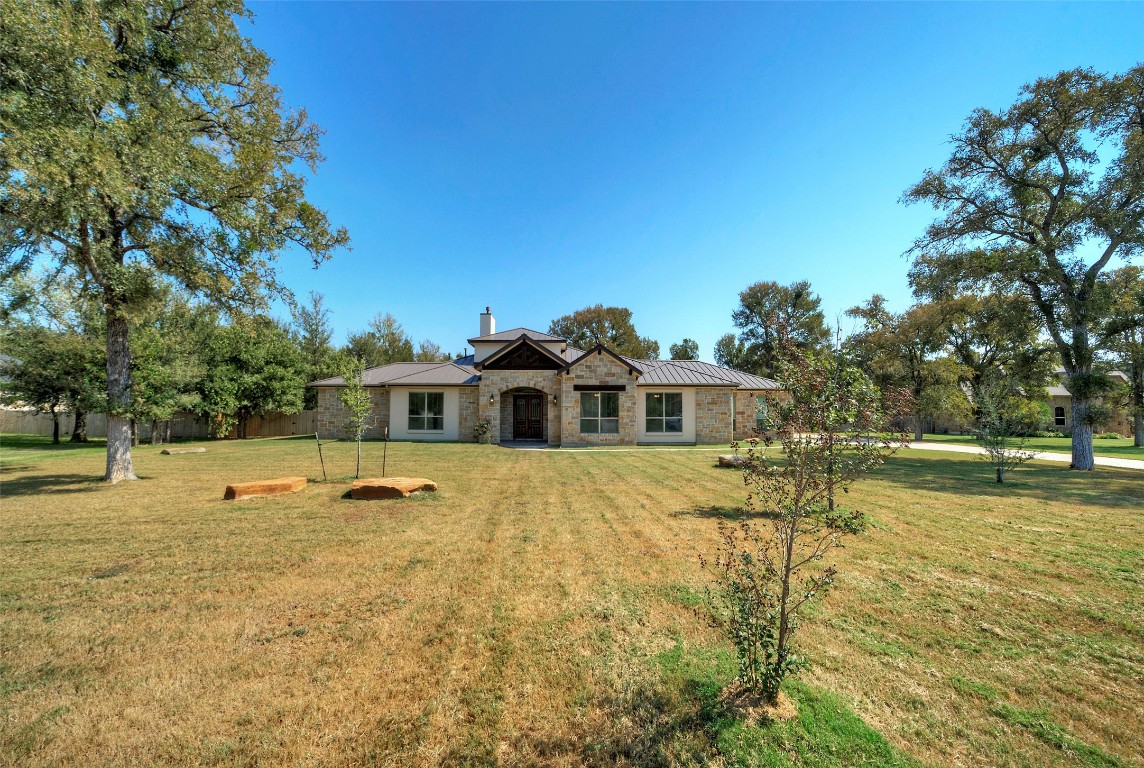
276 487
389 487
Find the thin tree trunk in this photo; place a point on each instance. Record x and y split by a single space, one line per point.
1082 456
357 474
118 398
134 433
154 431
79 430
167 431
55 427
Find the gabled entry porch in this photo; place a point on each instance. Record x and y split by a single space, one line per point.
524 415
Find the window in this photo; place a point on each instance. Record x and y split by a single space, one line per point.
426 411
1059 415
762 414
664 412
600 413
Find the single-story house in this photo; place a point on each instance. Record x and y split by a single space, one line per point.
531 386
1060 406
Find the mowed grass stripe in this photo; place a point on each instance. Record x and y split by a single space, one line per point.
519 616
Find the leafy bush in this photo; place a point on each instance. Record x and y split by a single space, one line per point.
482 431
1108 436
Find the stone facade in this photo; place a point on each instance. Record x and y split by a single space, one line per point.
469 409
331 416
713 413
597 370
745 410
492 400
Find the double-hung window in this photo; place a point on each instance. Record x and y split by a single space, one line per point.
664 412
600 413
426 411
1059 416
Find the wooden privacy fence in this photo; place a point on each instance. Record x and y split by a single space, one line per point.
183 425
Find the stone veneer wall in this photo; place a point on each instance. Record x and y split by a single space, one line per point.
330 416
597 369
745 410
494 383
713 407
469 409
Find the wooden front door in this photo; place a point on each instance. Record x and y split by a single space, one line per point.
527 417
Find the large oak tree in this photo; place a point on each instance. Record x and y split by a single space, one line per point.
143 138
1040 197
610 326
771 315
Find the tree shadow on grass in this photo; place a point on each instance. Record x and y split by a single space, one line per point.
1105 487
44 485
712 511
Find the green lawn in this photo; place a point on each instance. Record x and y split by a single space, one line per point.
546 608
1120 447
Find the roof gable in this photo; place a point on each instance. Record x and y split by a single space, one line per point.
600 349
524 354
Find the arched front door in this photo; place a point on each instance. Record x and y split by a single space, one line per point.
528 417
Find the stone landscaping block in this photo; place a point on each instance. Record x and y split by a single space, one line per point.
276 487
732 460
390 487
177 451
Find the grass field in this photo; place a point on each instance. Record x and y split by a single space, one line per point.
1119 448
545 608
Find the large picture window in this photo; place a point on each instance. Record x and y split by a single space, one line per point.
599 413
664 412
426 411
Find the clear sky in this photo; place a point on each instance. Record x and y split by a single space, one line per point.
539 158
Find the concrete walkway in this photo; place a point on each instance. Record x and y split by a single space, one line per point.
1101 461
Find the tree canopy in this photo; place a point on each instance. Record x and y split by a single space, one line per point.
770 315
384 342
1040 197
144 139
688 349
610 326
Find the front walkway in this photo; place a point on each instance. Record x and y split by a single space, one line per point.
1101 461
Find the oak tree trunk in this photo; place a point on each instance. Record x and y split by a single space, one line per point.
79 430
1138 430
154 431
118 398
1082 456
919 427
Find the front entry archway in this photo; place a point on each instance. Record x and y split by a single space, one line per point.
528 416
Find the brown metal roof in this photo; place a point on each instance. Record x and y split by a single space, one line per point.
514 333
410 374
695 373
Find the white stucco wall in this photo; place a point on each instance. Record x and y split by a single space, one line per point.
688 433
399 414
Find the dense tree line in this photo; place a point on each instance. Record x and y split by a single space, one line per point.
186 356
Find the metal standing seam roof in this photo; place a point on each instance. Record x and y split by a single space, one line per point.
515 333
413 374
696 373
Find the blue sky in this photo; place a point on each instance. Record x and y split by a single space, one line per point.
539 158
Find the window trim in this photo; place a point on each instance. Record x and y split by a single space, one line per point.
1059 416
598 418
409 415
664 418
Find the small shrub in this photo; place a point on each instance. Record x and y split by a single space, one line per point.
482 431
1108 436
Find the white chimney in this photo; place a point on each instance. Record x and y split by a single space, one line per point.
488 323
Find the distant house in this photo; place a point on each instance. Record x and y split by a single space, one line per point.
535 387
1060 406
